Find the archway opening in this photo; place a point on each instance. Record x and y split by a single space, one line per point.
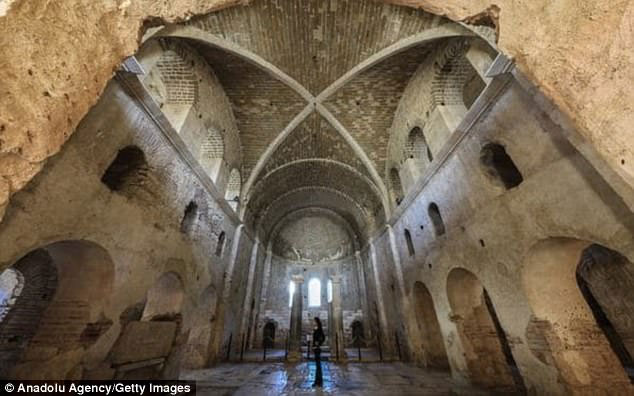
410 244
436 219
433 344
268 335
127 170
190 216
487 352
59 309
397 187
220 244
358 335
588 332
314 293
499 165
417 147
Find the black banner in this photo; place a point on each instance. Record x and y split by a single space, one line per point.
89 388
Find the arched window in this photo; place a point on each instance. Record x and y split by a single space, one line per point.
189 218
232 194
291 291
127 169
397 188
220 244
212 152
417 147
329 290
499 165
410 244
436 219
314 293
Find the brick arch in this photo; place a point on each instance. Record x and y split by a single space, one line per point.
60 308
585 334
178 76
451 72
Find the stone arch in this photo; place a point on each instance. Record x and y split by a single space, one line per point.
232 194
165 298
59 313
433 344
173 83
589 330
268 334
456 82
127 171
499 166
416 147
397 188
410 243
11 284
487 353
190 218
436 218
220 244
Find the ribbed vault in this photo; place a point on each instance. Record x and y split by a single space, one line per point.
314 101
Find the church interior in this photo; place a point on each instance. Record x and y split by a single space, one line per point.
447 185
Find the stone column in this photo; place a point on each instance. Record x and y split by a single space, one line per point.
413 336
339 349
226 298
295 334
264 292
363 294
384 336
246 307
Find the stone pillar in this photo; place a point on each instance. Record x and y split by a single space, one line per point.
246 307
264 292
412 337
363 293
295 333
339 349
219 337
383 336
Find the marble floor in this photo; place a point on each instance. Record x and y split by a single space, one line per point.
383 379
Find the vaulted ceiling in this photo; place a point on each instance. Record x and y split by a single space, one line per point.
314 86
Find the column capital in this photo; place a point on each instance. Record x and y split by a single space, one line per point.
297 278
336 278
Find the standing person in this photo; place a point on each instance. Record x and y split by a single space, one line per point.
318 339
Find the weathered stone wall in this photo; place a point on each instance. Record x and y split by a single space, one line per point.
140 228
489 229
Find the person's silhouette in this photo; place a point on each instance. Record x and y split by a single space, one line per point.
318 339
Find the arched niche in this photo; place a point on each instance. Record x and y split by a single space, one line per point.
232 194
165 298
397 187
59 312
587 332
433 344
487 352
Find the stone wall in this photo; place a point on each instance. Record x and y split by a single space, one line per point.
277 307
490 229
140 229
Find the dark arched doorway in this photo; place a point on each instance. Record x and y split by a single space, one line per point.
268 335
357 334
